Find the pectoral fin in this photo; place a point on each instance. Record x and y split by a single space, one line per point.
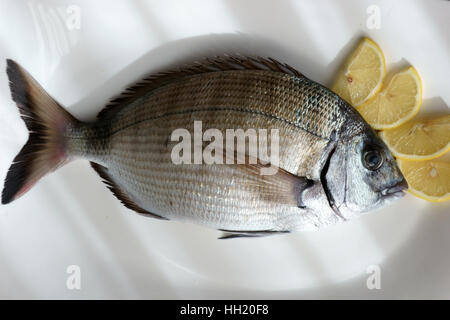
279 186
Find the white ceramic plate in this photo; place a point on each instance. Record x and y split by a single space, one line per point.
70 218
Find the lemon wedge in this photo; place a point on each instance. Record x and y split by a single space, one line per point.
419 140
429 180
362 75
398 102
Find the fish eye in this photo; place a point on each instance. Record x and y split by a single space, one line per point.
372 159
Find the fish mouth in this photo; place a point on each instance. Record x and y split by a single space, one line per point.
396 191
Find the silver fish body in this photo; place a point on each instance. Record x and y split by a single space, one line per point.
321 139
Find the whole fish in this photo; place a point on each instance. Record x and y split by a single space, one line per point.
332 166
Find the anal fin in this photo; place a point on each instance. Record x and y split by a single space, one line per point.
120 194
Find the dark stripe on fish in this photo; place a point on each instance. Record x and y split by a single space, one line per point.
323 181
168 114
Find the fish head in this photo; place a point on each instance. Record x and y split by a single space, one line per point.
362 175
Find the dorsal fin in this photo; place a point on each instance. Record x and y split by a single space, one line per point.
219 63
111 185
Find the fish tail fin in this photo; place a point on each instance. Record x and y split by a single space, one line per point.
47 122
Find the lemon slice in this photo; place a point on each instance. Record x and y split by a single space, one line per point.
419 140
429 180
398 102
362 75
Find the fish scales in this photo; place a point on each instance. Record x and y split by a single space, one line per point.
137 150
266 93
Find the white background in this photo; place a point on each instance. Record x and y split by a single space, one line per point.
70 218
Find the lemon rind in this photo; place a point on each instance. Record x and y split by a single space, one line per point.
429 198
404 156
